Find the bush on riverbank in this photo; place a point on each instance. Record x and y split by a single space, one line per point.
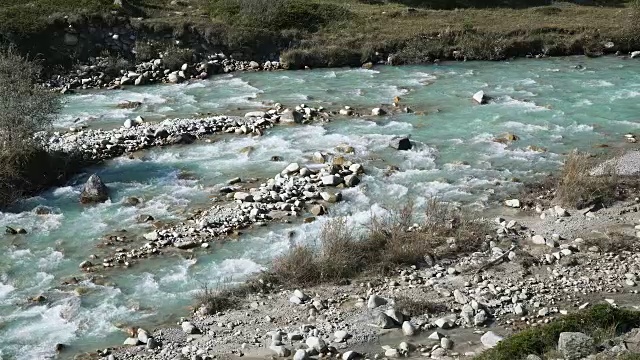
25 108
576 188
388 243
599 321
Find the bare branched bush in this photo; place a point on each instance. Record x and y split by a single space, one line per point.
578 189
389 242
25 108
298 266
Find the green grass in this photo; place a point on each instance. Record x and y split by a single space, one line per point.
349 32
597 322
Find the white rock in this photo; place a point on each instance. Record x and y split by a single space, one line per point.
341 335
480 97
436 336
635 54
446 343
378 112
300 355
538 240
408 329
189 328
375 301
302 296
490 339
316 343
258 114
292 168
350 355
514 203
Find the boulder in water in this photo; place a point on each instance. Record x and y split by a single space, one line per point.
94 191
401 143
635 54
480 97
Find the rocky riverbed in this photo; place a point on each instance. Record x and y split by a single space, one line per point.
530 272
100 74
296 191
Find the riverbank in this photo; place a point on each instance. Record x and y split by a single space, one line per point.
330 34
456 307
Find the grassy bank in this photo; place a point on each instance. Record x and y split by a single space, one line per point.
336 32
602 322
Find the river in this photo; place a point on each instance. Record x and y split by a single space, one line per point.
556 104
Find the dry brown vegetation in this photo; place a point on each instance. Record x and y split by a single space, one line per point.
387 244
414 307
578 189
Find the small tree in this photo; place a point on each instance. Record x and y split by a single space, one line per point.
25 107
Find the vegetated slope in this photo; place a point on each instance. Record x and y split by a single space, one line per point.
350 32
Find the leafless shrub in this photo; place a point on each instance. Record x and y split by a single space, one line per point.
578 189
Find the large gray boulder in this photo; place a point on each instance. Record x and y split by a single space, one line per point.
291 116
575 345
94 191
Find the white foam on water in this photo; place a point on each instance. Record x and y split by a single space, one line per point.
179 274
583 102
525 127
508 101
597 83
574 127
46 324
527 81
5 289
236 268
624 94
50 261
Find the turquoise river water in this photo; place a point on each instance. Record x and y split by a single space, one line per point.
559 104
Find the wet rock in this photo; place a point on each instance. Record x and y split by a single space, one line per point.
378 112
575 345
351 180
132 201
331 180
290 116
480 97
401 143
144 218
94 191
317 210
331 197
85 264
11 231
635 54
257 114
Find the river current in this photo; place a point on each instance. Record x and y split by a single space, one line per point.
554 104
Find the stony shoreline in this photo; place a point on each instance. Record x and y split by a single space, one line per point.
99 75
515 282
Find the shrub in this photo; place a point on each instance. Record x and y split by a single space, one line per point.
387 244
174 57
578 189
278 14
297 267
545 338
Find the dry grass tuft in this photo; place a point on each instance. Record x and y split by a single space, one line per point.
388 243
614 242
415 307
578 189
